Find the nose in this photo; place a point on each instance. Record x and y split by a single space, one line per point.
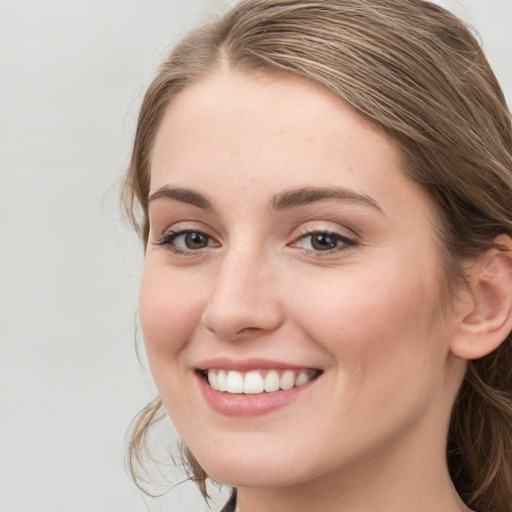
243 302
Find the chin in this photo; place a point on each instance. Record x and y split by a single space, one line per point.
266 476
252 464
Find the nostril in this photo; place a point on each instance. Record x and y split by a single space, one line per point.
248 330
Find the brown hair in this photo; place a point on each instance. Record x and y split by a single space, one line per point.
416 71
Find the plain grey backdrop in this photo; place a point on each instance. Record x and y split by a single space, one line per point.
72 74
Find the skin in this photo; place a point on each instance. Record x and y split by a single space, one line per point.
370 432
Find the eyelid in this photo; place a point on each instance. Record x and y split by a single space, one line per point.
183 226
322 226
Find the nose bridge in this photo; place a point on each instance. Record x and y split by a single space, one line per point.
243 299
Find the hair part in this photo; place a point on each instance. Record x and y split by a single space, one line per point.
418 73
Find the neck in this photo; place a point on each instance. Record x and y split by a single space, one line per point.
389 482
278 501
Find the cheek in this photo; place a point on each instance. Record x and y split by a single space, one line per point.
387 341
169 312
387 323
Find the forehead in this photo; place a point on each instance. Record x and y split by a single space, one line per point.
246 130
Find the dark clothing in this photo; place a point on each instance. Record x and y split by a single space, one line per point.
230 506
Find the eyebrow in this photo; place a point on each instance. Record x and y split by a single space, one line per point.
282 201
183 195
305 196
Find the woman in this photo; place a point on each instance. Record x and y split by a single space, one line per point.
325 189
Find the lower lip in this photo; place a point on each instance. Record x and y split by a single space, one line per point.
230 404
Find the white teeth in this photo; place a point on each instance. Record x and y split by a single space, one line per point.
221 381
234 382
287 380
271 381
302 378
257 381
212 379
253 383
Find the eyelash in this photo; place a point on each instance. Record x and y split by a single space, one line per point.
346 243
167 239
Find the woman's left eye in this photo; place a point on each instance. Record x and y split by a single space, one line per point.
323 241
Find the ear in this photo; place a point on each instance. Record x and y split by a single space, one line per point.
486 308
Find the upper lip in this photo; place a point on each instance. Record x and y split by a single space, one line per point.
246 365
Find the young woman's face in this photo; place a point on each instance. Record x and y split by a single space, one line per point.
287 249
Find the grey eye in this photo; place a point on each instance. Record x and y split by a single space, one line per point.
192 240
324 241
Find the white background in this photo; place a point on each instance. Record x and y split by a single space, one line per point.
72 74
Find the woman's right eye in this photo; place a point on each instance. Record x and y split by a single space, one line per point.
186 241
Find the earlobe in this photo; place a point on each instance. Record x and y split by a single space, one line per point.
487 318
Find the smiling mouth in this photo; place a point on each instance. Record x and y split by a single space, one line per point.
256 382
